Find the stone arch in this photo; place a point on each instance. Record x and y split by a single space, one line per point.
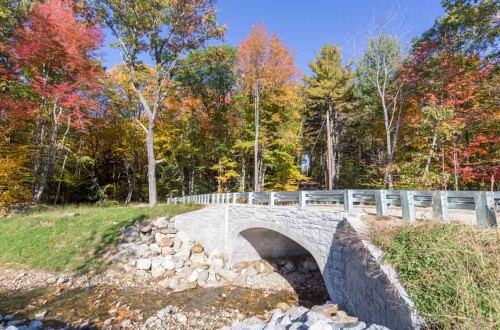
237 239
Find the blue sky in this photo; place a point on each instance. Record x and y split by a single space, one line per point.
306 25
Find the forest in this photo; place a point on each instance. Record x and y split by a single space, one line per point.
186 113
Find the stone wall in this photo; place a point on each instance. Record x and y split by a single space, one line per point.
350 266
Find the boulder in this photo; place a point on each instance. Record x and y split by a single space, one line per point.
226 274
185 286
169 231
310 265
182 236
165 241
288 268
197 248
167 250
143 264
130 234
328 310
161 223
155 248
168 263
146 228
203 276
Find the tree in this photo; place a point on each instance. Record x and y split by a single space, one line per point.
329 91
266 74
165 30
379 72
54 51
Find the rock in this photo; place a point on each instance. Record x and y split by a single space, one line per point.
288 268
249 272
108 322
165 241
162 313
183 254
194 276
177 244
168 263
328 310
155 248
352 326
62 280
167 250
161 223
217 264
169 231
157 271
142 250
51 280
197 248
198 259
1 318
277 314
173 283
146 228
130 234
185 286
321 325
203 276
143 264
228 275
35 325
147 239
181 318
126 324
282 306
41 315
313 318
342 317
8 317
296 313
310 265
179 264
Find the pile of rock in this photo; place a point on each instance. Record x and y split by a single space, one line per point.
159 251
325 317
7 322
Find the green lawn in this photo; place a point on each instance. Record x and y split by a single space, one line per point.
54 240
451 272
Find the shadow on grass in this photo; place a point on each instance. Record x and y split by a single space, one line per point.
108 240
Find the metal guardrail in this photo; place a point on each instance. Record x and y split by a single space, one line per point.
486 204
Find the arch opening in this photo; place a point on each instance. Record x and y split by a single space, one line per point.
283 256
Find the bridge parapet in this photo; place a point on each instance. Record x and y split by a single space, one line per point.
481 207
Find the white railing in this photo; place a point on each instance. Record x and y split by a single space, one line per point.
485 204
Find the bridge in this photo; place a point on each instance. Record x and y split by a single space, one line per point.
248 226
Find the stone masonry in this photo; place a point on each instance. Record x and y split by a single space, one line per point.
351 268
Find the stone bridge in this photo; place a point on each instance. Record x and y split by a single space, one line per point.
352 272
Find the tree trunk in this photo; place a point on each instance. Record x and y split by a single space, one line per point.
431 154
243 175
153 194
256 142
329 149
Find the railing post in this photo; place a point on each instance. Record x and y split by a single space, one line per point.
250 198
271 199
407 205
302 199
381 202
485 209
348 201
233 198
440 205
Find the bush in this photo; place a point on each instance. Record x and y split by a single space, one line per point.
451 272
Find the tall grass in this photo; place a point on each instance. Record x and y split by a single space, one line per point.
451 271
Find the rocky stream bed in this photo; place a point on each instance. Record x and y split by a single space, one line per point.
157 278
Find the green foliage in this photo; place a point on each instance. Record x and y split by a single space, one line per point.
71 238
449 270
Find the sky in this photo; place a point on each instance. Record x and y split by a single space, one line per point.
306 25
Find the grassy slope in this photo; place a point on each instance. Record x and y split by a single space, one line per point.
50 241
451 271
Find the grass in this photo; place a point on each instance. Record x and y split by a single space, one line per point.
451 272
55 240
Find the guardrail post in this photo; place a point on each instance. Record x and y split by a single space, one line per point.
227 198
302 199
381 202
271 198
407 205
233 198
348 201
250 198
485 209
440 205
